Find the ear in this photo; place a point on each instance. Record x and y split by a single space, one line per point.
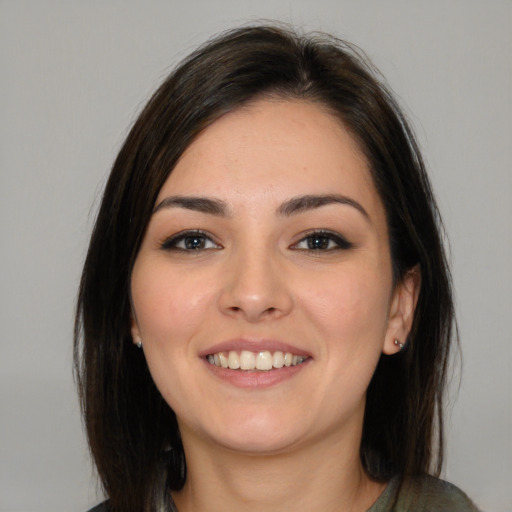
135 331
401 314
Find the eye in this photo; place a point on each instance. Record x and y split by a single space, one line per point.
190 241
319 241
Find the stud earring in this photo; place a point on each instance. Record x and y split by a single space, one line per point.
399 345
139 344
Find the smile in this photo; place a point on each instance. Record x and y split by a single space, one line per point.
247 360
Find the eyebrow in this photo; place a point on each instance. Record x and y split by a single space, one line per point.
310 202
291 207
198 204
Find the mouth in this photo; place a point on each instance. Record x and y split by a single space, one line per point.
247 360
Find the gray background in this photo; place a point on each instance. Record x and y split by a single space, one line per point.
74 75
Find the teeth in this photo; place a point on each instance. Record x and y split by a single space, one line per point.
264 361
247 360
223 360
233 360
278 360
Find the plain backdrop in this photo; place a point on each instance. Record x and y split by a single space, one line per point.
74 75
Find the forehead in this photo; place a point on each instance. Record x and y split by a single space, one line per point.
273 149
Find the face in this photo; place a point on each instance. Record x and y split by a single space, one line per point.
262 291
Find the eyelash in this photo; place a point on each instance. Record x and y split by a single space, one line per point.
171 244
340 242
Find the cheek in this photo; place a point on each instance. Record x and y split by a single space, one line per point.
350 307
170 310
165 302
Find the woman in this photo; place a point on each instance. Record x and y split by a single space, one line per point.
265 311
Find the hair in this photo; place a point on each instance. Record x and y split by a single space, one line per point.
133 434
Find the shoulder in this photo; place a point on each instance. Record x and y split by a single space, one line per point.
439 495
425 494
102 507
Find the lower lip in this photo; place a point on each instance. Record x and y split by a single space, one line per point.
256 378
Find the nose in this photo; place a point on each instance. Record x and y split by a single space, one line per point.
256 287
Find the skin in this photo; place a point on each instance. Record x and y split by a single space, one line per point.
250 448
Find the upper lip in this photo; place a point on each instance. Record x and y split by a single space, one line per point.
254 345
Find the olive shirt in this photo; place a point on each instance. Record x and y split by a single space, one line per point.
427 494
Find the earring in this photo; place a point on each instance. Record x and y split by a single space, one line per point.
399 345
139 344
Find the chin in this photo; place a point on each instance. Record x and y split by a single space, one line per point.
254 434
253 443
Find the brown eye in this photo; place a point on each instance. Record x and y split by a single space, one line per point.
194 242
323 241
190 241
318 242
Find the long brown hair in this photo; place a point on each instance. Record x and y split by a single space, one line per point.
133 434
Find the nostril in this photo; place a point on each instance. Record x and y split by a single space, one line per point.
237 309
254 304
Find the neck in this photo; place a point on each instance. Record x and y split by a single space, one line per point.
325 476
